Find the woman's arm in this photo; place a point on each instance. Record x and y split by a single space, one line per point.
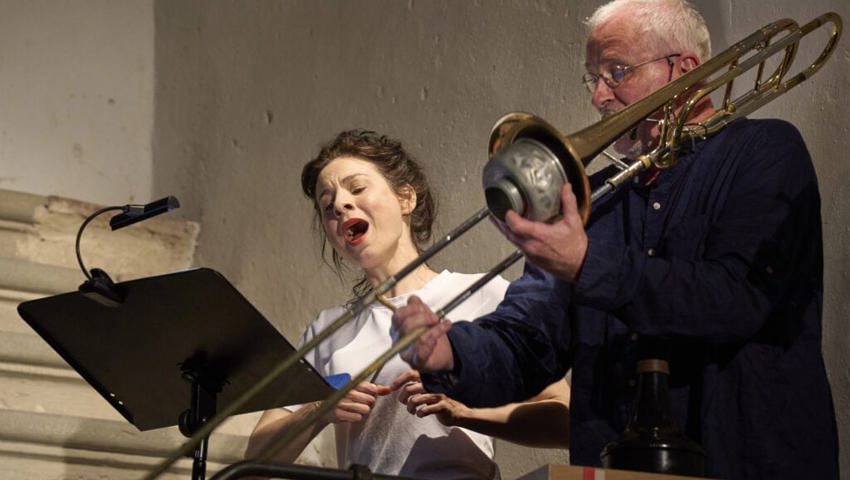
275 423
542 421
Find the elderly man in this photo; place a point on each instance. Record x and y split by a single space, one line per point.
719 256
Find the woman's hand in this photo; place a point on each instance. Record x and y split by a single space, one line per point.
421 403
357 404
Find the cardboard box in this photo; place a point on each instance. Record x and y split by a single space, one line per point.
575 472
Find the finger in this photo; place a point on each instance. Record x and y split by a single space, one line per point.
352 408
499 224
519 226
366 388
410 390
405 378
432 408
347 416
418 353
412 315
437 331
373 389
422 399
365 398
569 205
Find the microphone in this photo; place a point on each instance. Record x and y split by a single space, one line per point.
98 285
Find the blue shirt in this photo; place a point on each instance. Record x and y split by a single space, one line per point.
722 257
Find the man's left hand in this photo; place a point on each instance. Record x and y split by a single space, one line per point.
558 247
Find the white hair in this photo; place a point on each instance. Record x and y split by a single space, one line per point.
667 25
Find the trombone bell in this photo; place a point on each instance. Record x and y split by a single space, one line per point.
529 163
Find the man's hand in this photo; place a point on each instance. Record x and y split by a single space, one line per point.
357 404
432 351
559 247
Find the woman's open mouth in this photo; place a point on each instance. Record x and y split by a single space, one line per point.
354 231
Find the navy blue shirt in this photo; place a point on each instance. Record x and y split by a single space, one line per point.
722 257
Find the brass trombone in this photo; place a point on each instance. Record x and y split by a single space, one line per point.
529 162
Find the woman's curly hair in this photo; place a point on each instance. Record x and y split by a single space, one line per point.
397 167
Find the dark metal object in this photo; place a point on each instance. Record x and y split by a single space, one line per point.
299 472
652 442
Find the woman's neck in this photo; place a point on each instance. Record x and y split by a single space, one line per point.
412 282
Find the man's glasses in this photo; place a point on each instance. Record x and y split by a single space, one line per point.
617 74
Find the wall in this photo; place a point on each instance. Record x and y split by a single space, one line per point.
76 98
246 92
53 424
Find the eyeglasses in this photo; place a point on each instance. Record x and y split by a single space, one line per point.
617 74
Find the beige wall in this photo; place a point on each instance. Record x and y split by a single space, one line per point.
247 91
76 98
244 92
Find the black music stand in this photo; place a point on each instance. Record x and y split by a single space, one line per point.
171 348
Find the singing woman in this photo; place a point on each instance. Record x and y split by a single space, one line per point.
375 209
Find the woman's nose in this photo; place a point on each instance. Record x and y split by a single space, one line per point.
342 205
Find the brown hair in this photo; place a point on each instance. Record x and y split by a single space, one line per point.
397 167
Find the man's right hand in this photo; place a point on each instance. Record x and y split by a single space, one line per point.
432 352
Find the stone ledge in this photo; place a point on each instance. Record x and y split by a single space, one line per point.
20 206
43 229
30 350
28 276
109 437
25 461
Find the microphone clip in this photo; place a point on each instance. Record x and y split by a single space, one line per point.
102 289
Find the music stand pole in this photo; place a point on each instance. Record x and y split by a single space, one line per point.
204 389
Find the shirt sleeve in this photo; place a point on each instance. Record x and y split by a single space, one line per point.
759 255
314 357
514 352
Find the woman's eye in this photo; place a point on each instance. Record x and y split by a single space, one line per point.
358 189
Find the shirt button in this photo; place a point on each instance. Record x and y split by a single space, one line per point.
651 252
633 337
656 206
632 382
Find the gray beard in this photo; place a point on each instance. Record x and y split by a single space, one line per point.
629 145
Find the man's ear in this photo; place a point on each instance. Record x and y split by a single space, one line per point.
407 199
687 62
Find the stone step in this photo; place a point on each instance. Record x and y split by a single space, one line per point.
74 447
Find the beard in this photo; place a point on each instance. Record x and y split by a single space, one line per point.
638 140
635 142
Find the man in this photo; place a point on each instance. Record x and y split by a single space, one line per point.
720 257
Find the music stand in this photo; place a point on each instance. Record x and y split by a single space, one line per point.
172 348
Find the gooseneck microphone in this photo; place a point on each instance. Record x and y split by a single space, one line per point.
98 285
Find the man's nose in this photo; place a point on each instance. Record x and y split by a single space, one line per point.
602 94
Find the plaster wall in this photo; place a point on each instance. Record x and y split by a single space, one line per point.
76 98
247 91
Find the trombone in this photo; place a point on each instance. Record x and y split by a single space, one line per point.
529 162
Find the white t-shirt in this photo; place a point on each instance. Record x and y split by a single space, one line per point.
390 440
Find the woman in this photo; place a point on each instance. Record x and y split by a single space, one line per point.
376 210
